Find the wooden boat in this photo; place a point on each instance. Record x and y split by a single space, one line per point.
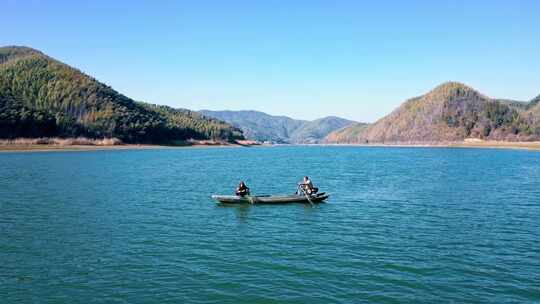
270 199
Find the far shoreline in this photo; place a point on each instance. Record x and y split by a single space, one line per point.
35 147
82 148
480 144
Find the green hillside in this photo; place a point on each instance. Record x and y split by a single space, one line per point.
534 103
279 129
532 114
257 125
315 131
19 120
35 88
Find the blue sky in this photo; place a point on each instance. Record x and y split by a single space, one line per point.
304 59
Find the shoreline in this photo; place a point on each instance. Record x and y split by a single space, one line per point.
521 145
60 148
47 144
88 148
530 146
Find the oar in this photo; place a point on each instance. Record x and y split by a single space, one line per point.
307 196
251 200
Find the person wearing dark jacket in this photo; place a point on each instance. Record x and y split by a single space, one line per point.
242 189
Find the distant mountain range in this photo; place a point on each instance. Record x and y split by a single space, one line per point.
279 129
450 112
43 97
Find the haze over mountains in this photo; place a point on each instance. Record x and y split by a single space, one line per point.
450 112
279 129
43 97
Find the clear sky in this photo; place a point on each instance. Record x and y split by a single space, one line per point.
304 59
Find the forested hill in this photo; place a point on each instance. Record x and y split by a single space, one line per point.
535 102
279 129
41 96
348 135
450 112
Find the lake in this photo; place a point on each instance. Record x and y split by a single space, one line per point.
414 225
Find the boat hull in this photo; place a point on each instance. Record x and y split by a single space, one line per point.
273 199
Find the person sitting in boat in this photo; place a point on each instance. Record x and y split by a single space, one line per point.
307 186
242 189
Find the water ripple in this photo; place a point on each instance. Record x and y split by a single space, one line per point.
402 225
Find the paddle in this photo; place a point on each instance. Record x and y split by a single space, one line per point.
251 199
307 196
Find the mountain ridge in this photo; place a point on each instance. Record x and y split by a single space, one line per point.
41 96
264 127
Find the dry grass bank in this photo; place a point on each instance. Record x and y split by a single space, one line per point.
89 144
61 144
526 145
477 143
78 141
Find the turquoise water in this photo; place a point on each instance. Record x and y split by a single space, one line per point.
403 225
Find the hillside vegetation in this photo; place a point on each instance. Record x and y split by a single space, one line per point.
40 96
279 129
535 101
450 112
258 125
533 110
347 135
315 131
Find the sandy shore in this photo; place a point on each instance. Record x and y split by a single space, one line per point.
534 145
